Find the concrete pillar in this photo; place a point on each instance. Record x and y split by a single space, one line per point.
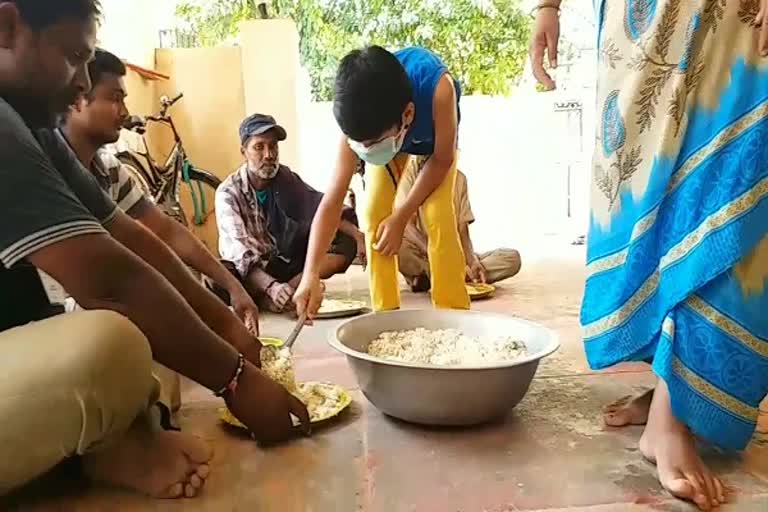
271 77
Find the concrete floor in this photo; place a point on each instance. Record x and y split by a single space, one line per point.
552 452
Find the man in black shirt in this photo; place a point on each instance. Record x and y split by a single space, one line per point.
81 384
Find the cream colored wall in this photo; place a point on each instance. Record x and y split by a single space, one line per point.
207 117
142 94
271 74
213 105
221 86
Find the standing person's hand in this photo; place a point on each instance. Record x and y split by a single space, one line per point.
389 236
476 271
309 296
544 39
761 20
280 294
265 407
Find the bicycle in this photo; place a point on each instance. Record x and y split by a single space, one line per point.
162 183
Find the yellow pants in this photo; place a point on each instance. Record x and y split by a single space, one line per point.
70 385
446 259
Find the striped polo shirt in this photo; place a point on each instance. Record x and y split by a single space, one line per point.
114 179
47 197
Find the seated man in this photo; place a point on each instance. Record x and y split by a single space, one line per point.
96 120
489 267
264 213
80 385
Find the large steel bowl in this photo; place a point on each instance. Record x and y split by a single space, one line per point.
440 395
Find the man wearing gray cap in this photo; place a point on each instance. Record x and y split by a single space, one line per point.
264 213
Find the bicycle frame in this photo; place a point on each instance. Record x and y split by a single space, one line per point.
163 182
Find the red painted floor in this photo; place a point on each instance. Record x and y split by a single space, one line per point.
552 452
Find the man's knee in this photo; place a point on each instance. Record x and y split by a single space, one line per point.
109 338
516 258
512 259
74 382
501 264
115 357
343 253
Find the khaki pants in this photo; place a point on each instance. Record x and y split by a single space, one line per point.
170 381
499 264
68 386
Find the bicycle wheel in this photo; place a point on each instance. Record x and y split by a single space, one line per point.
139 173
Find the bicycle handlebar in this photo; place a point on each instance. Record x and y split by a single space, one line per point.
139 124
167 102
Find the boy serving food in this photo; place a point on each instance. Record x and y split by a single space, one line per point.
395 110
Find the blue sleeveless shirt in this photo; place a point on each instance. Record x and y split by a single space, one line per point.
425 69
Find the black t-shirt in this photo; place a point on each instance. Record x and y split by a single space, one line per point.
46 197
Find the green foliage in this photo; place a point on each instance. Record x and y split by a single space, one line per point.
483 42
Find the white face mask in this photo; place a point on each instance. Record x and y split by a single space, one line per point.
382 152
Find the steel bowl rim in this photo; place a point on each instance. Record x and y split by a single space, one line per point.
553 338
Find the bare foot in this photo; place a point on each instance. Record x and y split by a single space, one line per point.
628 410
159 464
670 445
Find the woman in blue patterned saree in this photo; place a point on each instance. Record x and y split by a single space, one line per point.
677 247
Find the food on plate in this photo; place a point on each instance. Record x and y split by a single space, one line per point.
445 347
480 290
277 364
333 306
323 400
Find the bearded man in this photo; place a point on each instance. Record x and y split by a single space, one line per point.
264 213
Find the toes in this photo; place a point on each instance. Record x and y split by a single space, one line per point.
617 419
719 490
618 404
700 497
709 482
174 491
681 488
196 482
190 491
203 470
